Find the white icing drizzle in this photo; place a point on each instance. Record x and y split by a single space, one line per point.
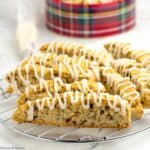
79 50
43 84
51 71
82 85
20 75
30 111
145 60
27 77
60 70
96 72
116 81
64 46
74 73
14 82
74 69
72 49
139 53
51 47
118 49
74 98
127 67
40 103
104 58
141 80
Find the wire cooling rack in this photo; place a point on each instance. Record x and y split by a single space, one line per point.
64 134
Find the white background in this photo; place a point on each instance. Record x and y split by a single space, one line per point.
9 57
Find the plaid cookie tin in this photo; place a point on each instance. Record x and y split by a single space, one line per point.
94 20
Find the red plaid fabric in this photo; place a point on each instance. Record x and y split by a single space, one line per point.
90 20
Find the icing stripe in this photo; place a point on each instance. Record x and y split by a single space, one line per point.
112 102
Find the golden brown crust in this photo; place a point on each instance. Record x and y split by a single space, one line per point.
41 122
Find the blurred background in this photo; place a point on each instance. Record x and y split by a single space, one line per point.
34 10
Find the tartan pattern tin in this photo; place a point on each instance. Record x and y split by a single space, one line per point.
95 20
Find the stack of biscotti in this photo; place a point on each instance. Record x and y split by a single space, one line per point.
135 67
134 64
68 84
114 81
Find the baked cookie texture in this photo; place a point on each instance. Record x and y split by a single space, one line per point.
124 50
102 57
77 109
34 70
116 84
108 76
138 75
68 84
57 85
23 76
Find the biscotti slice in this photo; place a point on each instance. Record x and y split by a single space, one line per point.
119 49
68 48
124 50
138 75
116 84
49 59
49 87
74 64
102 57
23 76
77 109
53 87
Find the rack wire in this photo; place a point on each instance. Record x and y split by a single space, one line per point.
64 134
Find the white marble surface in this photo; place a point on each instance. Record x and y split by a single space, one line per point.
9 57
